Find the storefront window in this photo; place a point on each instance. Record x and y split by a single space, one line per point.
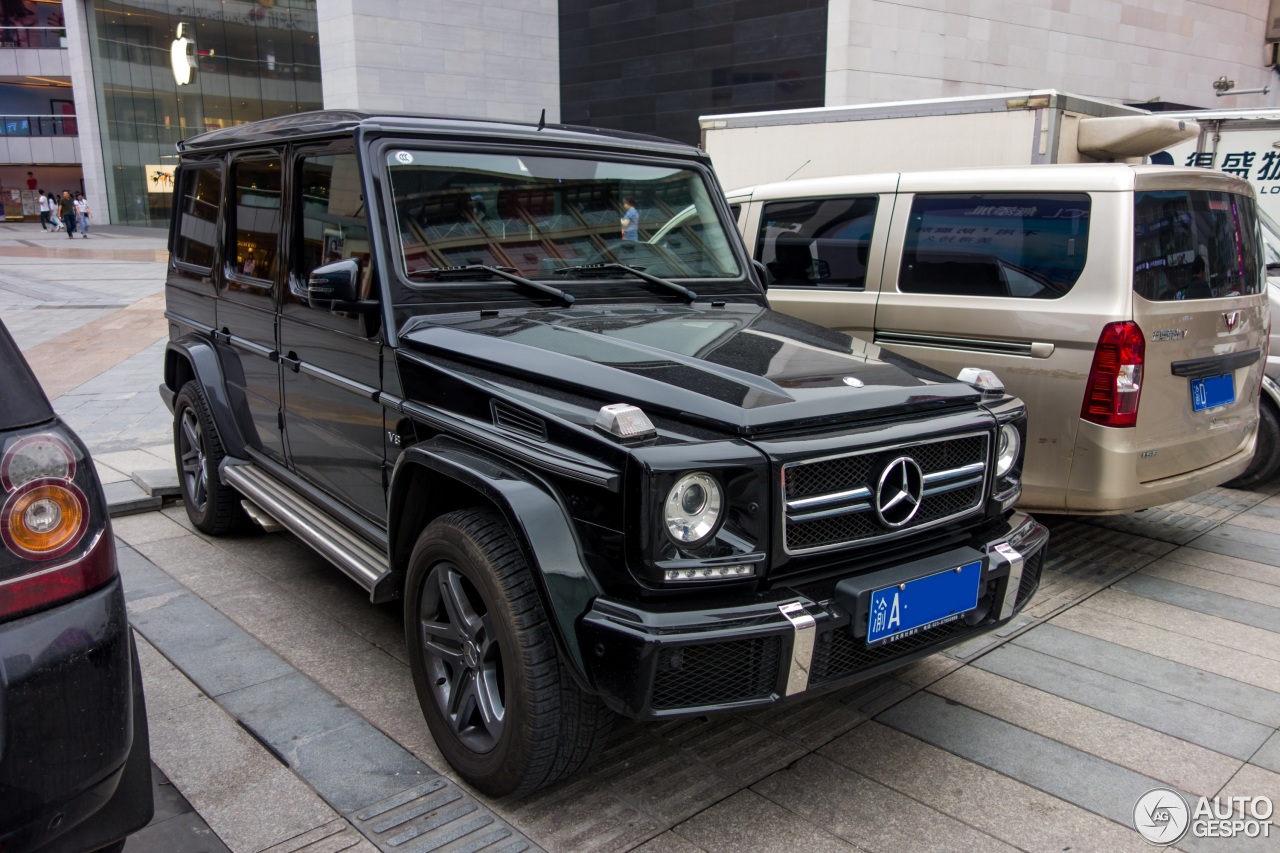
253 61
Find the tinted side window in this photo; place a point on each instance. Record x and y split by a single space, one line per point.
1012 244
199 195
333 225
822 242
257 217
1195 244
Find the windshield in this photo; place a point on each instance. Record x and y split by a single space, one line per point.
540 215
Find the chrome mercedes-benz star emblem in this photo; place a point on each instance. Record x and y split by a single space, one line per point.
900 492
853 382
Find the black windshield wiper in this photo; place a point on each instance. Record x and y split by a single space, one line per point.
507 273
590 269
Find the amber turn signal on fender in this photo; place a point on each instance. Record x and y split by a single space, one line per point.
44 519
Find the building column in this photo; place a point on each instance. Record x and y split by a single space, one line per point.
487 58
84 92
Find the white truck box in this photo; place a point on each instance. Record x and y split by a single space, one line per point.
1244 143
1006 129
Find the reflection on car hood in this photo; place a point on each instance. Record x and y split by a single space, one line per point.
743 367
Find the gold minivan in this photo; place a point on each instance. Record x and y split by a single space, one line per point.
1125 304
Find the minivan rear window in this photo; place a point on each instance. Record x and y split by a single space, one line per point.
1195 244
1028 246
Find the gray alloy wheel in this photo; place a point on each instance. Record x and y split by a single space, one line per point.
463 658
501 704
213 507
191 460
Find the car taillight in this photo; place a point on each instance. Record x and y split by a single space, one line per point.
47 554
44 519
1115 379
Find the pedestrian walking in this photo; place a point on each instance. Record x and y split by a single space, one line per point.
630 219
82 215
45 206
67 213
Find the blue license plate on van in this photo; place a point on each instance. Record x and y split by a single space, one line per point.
898 612
1213 391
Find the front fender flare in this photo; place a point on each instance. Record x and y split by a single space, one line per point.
536 515
207 370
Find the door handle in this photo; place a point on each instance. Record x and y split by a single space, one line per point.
291 361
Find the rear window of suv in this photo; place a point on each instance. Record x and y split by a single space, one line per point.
1195 244
1028 246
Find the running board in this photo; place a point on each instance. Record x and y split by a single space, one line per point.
357 558
260 518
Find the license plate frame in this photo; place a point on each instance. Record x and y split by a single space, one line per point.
1210 392
938 598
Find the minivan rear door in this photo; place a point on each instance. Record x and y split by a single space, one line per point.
1200 300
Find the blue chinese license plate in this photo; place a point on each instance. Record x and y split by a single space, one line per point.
900 611
1213 391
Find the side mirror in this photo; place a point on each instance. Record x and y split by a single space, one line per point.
335 282
762 274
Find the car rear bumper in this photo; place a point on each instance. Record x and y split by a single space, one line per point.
1104 473
754 651
74 754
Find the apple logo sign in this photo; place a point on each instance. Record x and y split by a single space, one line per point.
182 56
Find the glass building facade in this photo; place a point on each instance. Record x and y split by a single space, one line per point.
654 66
254 59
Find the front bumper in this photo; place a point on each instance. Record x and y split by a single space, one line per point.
670 661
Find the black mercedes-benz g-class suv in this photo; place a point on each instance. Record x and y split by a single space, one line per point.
526 379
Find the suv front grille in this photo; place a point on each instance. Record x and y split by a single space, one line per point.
830 503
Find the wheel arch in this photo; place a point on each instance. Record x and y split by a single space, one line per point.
191 358
441 475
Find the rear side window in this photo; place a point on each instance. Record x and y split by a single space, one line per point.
1195 244
1011 244
817 242
199 195
257 217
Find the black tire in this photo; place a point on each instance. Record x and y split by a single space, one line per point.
1266 459
478 638
213 507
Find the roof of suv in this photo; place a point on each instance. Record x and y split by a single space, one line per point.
1071 177
329 122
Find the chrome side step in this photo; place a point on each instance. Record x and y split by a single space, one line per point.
357 558
260 517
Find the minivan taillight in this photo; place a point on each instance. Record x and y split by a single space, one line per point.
1115 379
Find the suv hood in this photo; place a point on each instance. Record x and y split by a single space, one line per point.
742 367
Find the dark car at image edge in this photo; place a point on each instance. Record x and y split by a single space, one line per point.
75 764
600 473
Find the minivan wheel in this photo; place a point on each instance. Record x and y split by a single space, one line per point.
1266 459
501 705
213 508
